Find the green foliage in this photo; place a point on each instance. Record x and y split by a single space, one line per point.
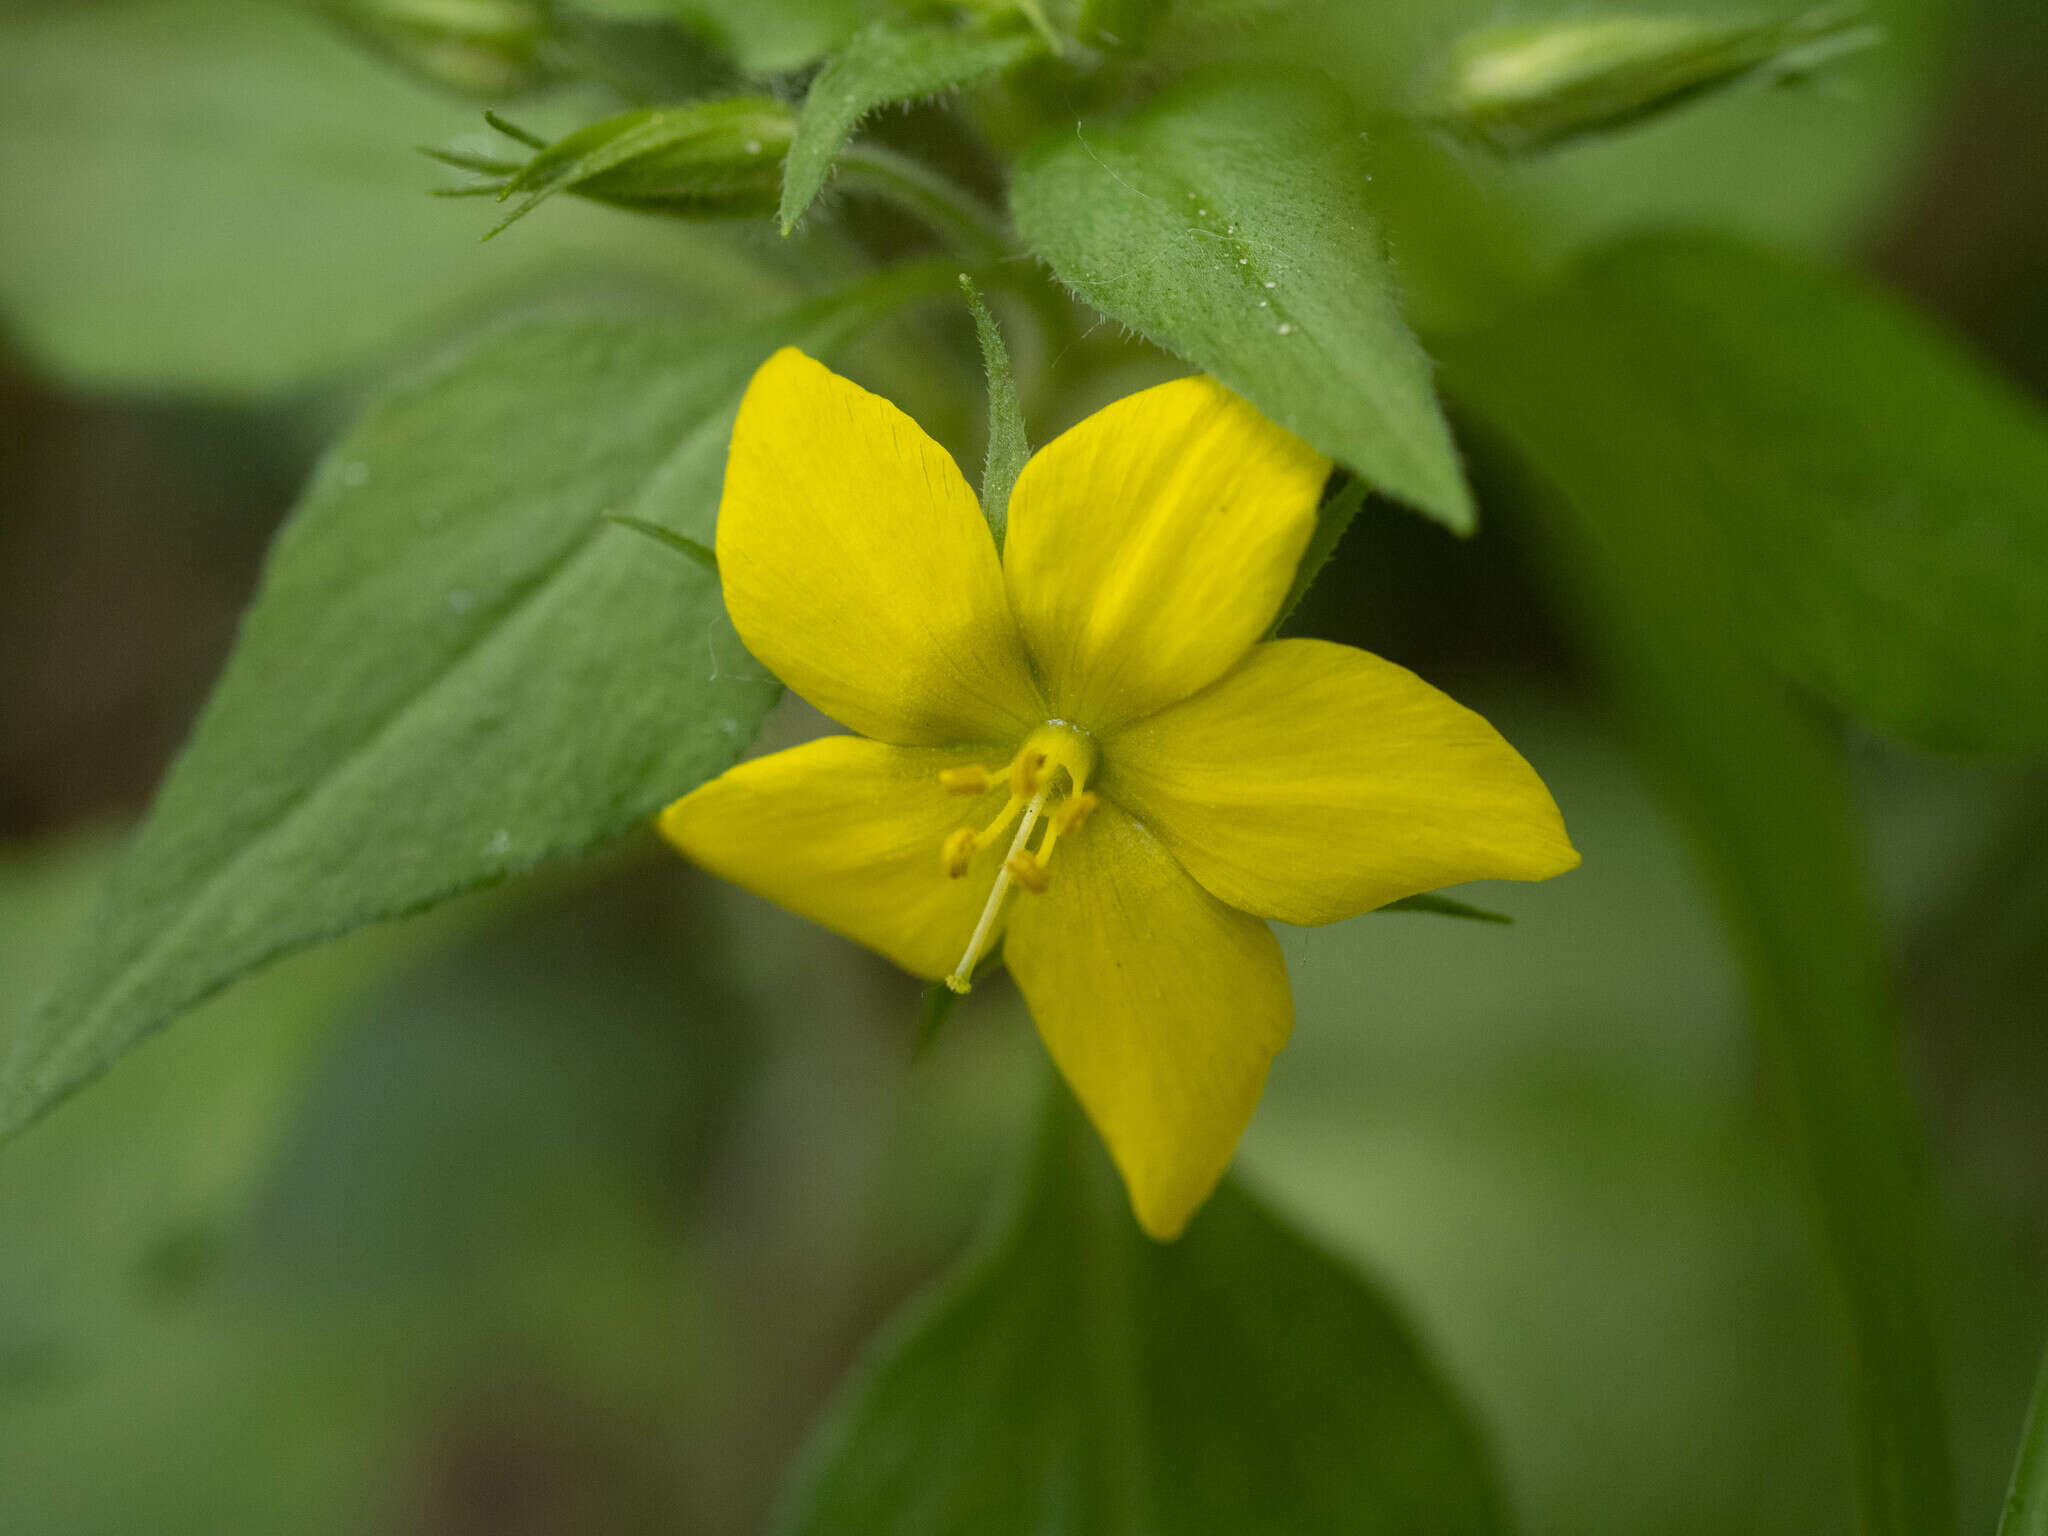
455 670
1852 499
222 196
112 1212
1008 447
1074 1377
890 62
1763 785
1535 85
1754 480
1227 222
271 1269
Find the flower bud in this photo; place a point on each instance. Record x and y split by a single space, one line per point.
1520 89
707 159
489 48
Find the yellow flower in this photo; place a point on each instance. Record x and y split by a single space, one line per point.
1090 718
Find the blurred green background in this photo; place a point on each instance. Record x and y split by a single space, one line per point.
563 1208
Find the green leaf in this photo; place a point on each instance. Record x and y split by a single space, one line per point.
885 63
111 1210
1075 1377
223 195
1008 448
453 670
1444 906
1762 784
2026 1501
1861 505
1227 222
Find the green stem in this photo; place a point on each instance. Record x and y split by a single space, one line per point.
974 229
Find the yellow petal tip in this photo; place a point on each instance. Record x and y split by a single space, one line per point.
669 822
1161 1226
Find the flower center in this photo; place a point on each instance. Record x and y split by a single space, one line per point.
1048 787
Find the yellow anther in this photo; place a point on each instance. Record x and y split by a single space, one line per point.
1024 773
1025 869
1072 816
1068 818
1046 779
964 781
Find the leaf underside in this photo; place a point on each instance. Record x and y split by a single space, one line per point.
1861 507
454 669
1077 1378
1227 223
886 63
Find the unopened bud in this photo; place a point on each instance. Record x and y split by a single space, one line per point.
488 48
1519 89
707 159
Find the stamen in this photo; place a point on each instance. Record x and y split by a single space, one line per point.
964 781
1024 773
1056 758
1027 871
1068 818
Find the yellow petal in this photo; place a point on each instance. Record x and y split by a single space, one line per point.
847 832
858 569
1161 1005
1317 781
1152 544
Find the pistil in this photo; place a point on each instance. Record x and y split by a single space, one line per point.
962 979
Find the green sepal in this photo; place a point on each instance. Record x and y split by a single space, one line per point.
1008 447
1341 503
692 549
2026 1498
936 1003
1444 906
